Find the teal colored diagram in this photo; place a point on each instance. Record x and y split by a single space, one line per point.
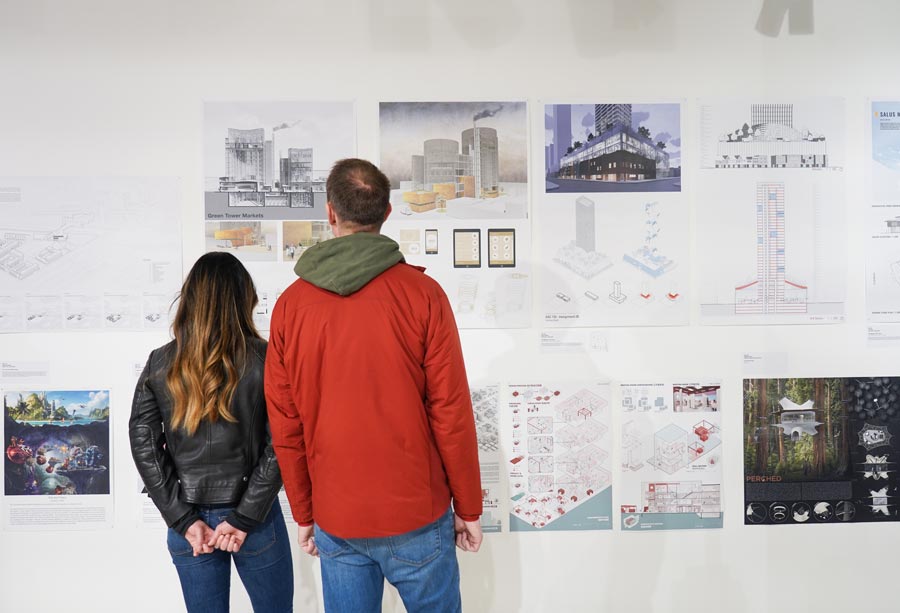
593 514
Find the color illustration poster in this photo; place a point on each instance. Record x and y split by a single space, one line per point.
821 450
56 472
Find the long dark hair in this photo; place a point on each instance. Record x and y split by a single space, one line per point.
211 327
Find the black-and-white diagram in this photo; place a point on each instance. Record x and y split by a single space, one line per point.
56 236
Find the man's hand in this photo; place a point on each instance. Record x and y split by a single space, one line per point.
468 534
227 538
307 540
198 536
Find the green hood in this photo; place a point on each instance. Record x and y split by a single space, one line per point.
345 264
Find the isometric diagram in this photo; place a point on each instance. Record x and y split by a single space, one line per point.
57 235
648 258
485 405
671 462
558 468
614 262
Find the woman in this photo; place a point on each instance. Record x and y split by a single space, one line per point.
200 440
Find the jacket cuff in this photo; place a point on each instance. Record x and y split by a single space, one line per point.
467 517
242 522
181 525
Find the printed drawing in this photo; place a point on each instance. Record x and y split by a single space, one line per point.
558 465
625 148
58 442
462 160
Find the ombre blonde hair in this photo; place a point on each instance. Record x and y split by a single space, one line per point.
213 322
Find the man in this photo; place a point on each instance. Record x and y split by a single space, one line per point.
370 411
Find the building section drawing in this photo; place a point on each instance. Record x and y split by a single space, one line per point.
612 148
771 251
269 160
558 458
883 225
265 166
614 261
771 291
57 236
671 459
462 160
486 407
483 267
747 135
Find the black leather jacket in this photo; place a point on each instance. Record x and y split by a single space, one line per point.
221 463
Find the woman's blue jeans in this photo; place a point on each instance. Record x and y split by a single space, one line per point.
263 564
421 564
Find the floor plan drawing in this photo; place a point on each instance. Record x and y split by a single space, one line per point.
671 459
559 457
82 253
614 261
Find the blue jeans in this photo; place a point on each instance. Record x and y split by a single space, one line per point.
421 564
263 563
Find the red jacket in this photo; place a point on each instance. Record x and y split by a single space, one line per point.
369 405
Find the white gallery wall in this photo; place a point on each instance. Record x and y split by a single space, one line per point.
112 88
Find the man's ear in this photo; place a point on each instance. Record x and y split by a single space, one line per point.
332 218
388 212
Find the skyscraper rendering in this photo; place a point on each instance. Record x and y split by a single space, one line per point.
480 144
608 116
771 292
562 133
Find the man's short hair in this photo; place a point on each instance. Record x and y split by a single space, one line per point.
359 193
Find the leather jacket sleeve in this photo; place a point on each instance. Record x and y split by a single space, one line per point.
148 448
263 485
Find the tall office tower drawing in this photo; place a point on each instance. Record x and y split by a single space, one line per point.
771 292
244 154
562 133
480 144
781 114
585 224
606 115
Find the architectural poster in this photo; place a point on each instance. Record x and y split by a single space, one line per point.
671 456
486 406
883 225
459 179
265 169
821 450
56 471
771 233
614 223
559 457
88 254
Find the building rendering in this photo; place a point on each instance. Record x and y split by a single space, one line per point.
617 153
444 171
771 292
770 140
